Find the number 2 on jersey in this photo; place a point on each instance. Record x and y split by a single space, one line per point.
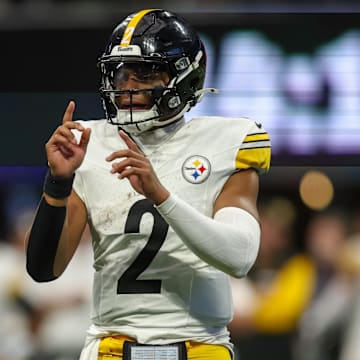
128 282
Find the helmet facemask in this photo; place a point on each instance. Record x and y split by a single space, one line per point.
165 100
133 108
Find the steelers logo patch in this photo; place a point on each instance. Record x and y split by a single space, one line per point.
196 169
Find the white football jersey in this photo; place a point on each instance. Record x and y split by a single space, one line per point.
148 284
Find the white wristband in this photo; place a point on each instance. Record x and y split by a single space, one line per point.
229 242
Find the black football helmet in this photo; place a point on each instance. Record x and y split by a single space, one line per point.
153 41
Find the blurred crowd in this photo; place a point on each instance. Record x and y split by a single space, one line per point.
301 300
45 321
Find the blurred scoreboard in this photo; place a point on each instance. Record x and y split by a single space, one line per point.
298 74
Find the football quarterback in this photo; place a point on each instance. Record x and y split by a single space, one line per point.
171 204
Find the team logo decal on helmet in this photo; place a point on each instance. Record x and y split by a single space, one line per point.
157 44
196 169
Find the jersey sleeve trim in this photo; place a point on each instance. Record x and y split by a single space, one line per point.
256 140
254 152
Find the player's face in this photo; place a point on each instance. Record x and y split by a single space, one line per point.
138 77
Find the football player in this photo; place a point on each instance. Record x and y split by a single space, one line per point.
171 204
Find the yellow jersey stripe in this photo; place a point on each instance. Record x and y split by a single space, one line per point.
256 158
257 137
131 26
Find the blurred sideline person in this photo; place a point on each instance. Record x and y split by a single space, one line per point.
171 205
48 320
321 329
350 349
63 307
269 303
18 318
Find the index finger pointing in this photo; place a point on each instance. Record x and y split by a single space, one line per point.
128 141
68 115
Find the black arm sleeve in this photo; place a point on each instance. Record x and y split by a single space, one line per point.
43 241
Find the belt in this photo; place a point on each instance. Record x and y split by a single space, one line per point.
116 345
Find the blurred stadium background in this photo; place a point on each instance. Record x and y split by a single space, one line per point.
292 65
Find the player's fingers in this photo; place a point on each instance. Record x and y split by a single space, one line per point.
128 153
129 142
68 115
129 162
67 152
85 137
62 141
65 131
131 171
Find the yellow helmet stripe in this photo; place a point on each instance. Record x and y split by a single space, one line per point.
131 26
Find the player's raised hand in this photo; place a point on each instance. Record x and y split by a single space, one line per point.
137 168
63 152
